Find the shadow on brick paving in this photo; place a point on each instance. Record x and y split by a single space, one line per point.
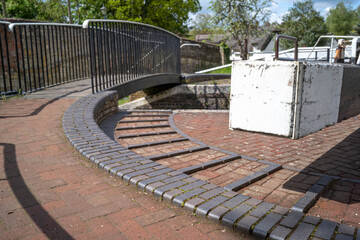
39 109
27 200
342 162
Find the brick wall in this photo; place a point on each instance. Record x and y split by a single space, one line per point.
194 58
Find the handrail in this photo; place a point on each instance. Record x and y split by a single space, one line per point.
331 44
12 25
215 68
190 44
86 24
278 36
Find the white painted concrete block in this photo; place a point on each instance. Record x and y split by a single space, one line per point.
320 97
262 96
289 99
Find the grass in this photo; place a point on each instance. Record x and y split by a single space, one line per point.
222 70
124 100
5 97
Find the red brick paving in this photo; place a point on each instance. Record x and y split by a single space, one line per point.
60 192
321 152
334 150
341 202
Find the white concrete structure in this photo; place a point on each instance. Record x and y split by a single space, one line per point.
290 99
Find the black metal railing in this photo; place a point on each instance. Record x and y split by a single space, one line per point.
6 85
121 51
39 55
46 54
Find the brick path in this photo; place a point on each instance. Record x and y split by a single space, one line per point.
333 151
47 190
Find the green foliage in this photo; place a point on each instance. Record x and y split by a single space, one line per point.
50 10
87 9
201 24
341 20
27 9
227 52
303 22
357 20
241 19
171 15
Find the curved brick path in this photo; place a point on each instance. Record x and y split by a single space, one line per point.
220 203
334 151
47 190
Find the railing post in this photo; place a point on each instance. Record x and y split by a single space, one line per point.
278 36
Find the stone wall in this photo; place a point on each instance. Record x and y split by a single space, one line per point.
186 97
194 58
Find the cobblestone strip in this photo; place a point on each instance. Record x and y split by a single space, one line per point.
146 134
141 120
312 195
176 153
143 126
156 143
241 183
262 219
199 167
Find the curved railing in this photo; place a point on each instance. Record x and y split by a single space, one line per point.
121 51
46 54
6 85
39 55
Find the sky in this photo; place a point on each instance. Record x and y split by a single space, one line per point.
280 7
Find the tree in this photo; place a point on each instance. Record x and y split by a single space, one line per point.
27 9
3 6
68 5
86 9
241 19
49 10
341 19
171 15
303 22
52 11
202 24
357 21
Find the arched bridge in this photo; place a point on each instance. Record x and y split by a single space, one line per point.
114 53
